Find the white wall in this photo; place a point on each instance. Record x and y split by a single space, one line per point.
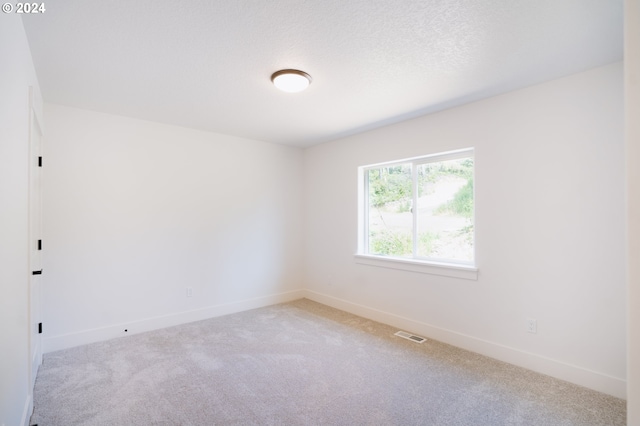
549 228
16 75
632 125
135 212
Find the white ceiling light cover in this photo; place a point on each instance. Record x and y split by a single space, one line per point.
291 81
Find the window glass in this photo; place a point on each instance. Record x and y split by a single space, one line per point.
390 216
420 209
445 210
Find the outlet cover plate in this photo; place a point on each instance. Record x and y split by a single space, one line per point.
532 325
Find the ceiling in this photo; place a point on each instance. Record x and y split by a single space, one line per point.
206 64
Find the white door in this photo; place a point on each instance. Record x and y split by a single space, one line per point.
35 238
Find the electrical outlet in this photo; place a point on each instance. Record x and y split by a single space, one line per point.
532 325
189 291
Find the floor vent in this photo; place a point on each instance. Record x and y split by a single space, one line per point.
410 336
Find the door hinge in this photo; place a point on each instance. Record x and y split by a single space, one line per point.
39 244
39 161
37 272
39 328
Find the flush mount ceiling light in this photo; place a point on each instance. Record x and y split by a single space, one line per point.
291 80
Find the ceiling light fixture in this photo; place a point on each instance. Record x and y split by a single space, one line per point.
291 81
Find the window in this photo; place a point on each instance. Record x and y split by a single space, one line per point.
420 210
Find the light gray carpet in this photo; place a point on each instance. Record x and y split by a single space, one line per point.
300 363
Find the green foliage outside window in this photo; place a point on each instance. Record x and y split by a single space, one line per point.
462 202
399 244
389 184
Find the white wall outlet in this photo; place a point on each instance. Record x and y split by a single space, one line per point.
532 325
189 291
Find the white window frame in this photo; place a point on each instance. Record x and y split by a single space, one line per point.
444 267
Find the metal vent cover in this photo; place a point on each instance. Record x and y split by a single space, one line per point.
410 336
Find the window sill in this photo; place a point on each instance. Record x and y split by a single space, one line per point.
433 268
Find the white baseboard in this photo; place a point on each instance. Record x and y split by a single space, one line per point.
56 343
570 373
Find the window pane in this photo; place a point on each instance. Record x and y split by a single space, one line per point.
390 217
445 210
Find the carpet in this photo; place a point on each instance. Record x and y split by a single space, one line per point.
300 363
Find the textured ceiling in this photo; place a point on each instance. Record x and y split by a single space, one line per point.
206 64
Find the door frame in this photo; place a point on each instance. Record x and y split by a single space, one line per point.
35 235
